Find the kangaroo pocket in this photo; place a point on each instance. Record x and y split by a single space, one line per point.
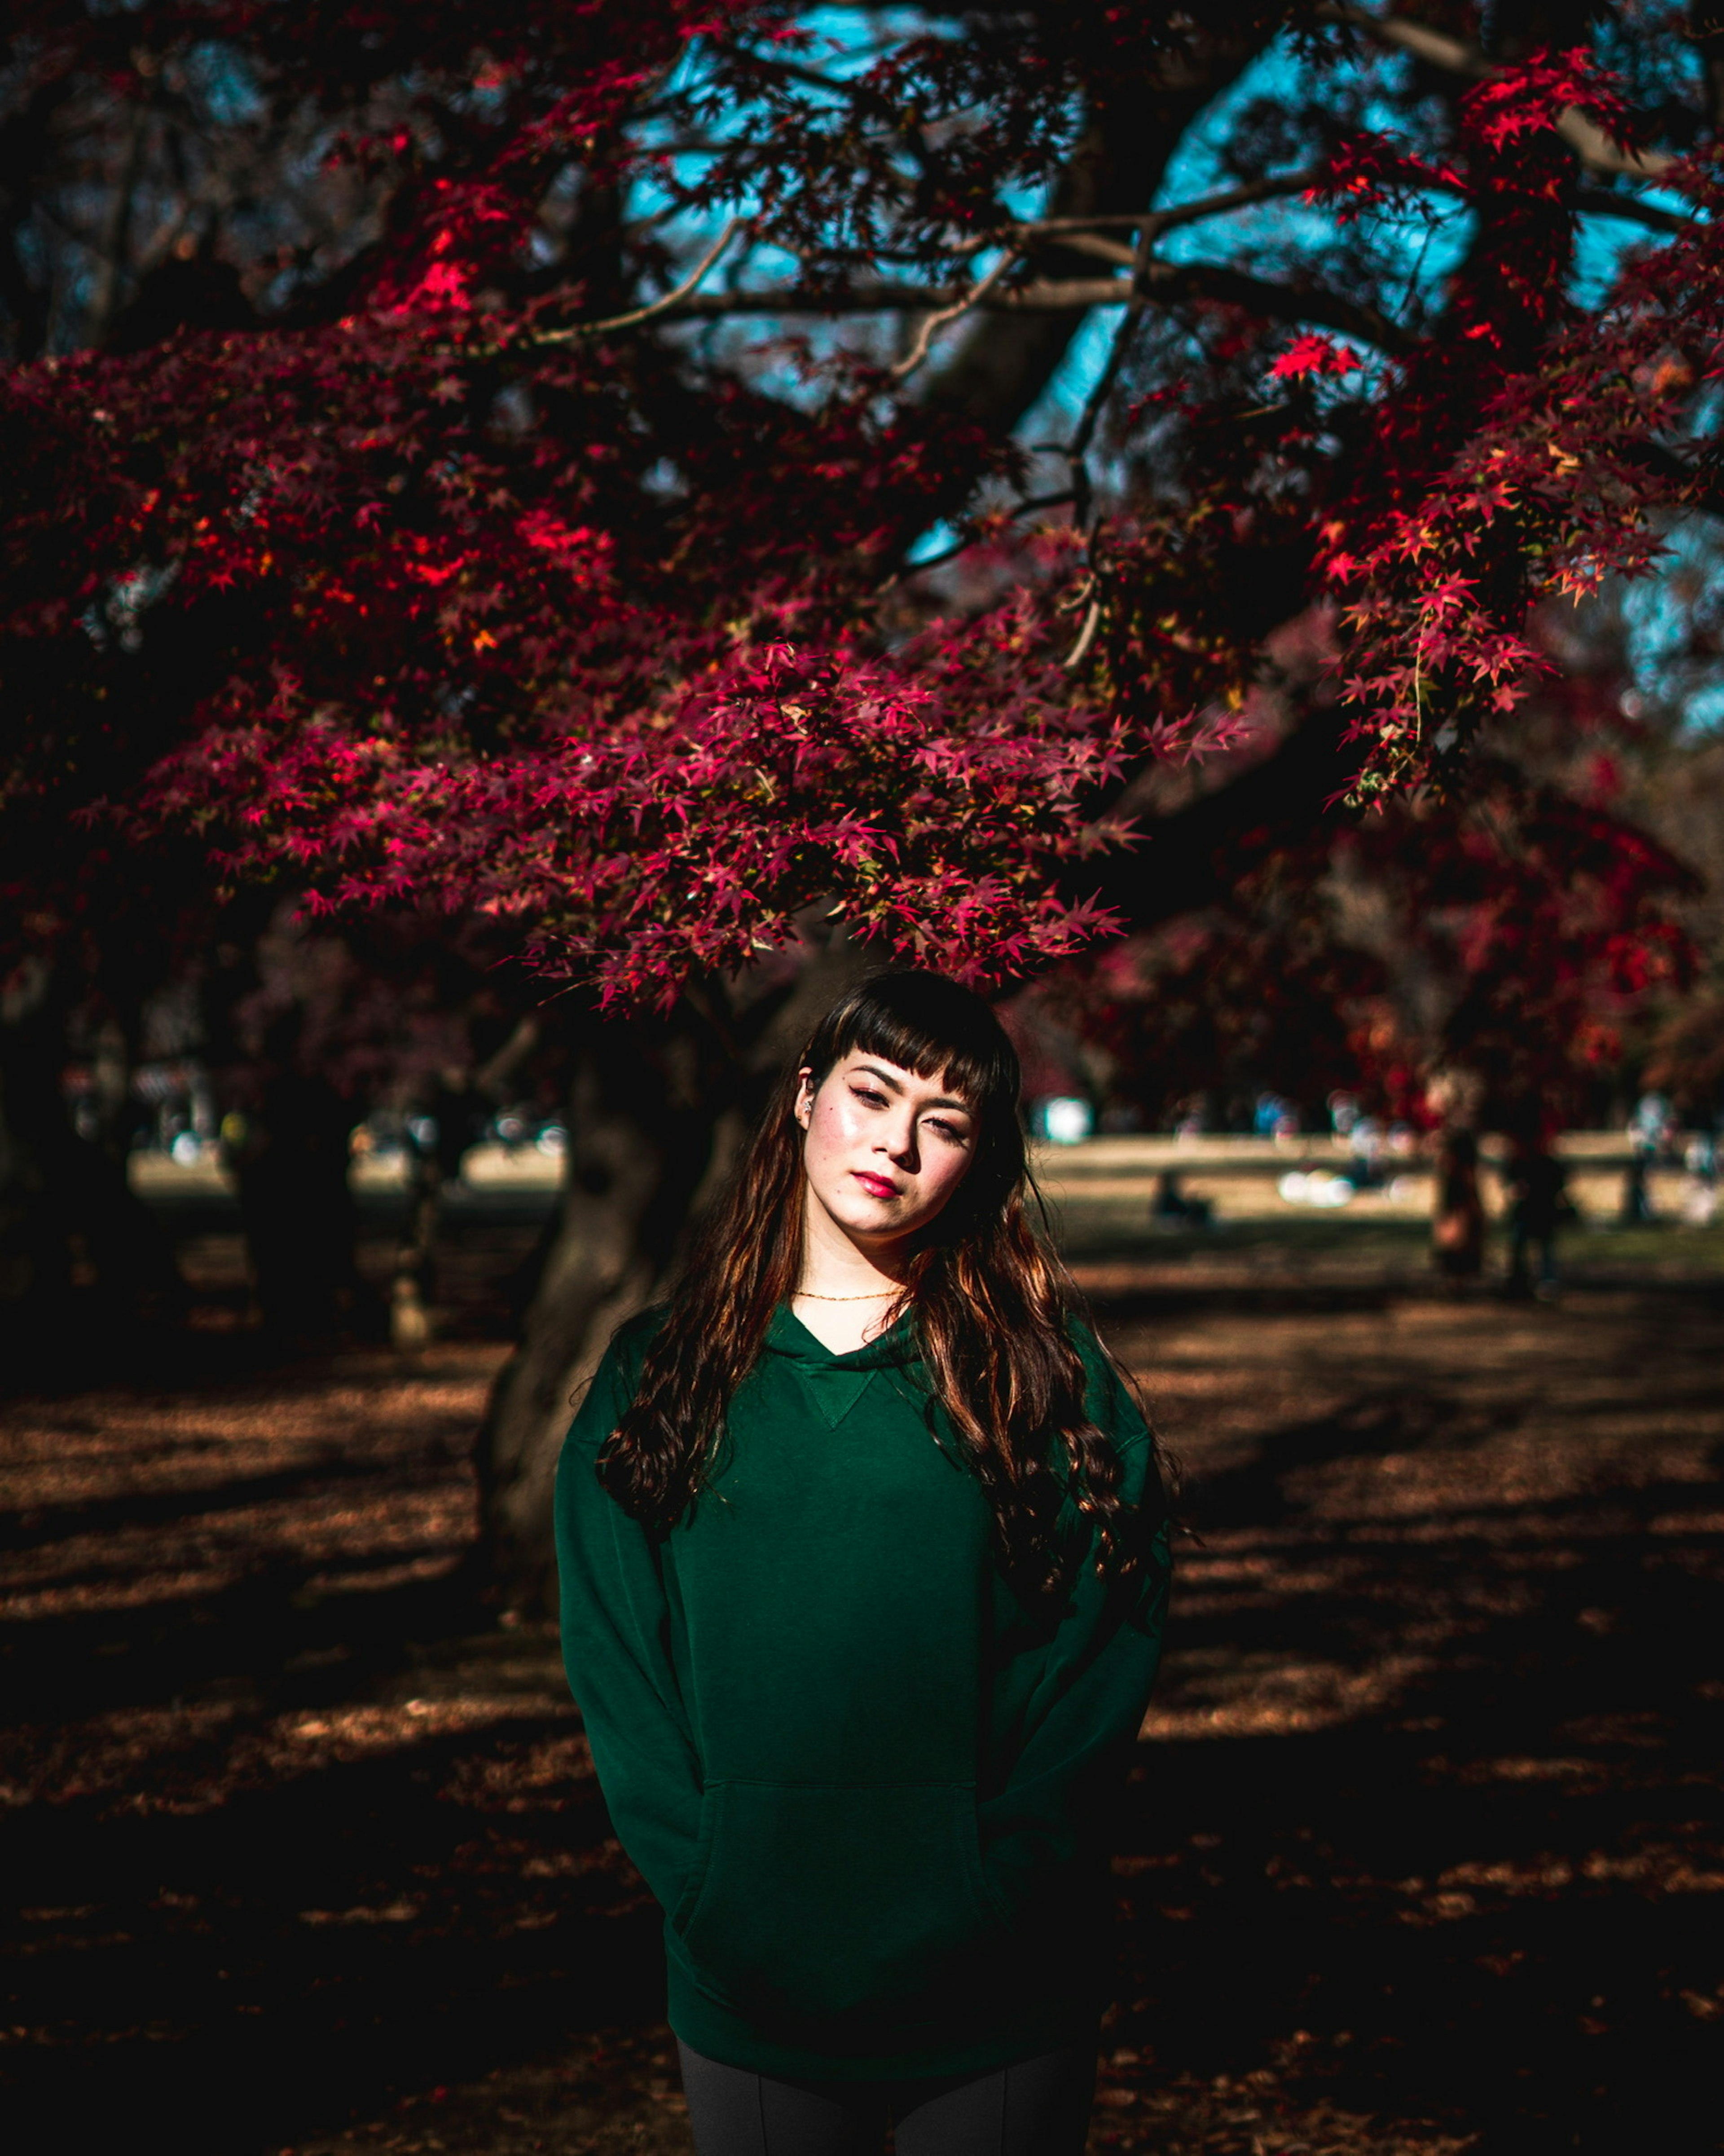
813 1900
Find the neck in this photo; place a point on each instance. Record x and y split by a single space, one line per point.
834 1265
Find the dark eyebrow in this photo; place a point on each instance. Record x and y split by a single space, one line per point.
944 1100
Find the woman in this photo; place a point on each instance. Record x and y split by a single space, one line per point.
862 1577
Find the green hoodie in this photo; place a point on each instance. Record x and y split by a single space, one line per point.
860 1775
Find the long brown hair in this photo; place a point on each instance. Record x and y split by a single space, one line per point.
992 1307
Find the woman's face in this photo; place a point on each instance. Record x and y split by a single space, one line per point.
885 1150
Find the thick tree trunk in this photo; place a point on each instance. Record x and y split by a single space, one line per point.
82 1260
413 1286
642 1114
1002 365
297 1209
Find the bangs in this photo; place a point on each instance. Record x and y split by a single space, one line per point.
928 1024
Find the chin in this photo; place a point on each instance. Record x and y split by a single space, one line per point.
863 1215
867 1220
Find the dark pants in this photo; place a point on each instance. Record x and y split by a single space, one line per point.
1525 1241
1038 2108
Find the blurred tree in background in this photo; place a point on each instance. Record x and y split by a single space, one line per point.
1516 948
661 506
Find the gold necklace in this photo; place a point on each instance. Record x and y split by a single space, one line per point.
805 1295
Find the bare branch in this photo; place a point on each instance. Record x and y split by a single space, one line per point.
1073 231
882 296
1434 46
672 302
1599 154
1241 198
1085 235
932 323
1166 283
1087 636
1077 451
1103 249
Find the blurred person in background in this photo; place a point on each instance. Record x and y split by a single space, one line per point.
1171 1208
1274 1117
1458 1223
1700 1189
1536 1186
1650 1129
1343 1112
1366 1142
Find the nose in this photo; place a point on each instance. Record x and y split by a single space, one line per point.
899 1142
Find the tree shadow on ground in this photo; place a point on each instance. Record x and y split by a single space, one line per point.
1424 1846
299 1951
1490 1900
1495 1907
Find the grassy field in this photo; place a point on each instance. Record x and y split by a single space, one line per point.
1423 1848
1390 1247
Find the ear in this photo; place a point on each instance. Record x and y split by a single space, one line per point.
804 1108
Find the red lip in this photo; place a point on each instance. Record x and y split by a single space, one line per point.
876 1186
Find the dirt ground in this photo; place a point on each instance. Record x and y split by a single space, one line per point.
1423 1848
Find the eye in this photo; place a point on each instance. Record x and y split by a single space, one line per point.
949 1132
867 1093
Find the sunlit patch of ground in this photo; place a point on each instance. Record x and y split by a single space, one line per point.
1423 1848
1299 1253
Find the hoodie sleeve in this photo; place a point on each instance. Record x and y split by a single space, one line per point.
616 1644
1080 1701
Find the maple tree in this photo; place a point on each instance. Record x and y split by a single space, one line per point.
589 475
1514 955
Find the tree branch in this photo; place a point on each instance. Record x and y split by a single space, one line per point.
1595 148
963 545
1120 162
931 324
1599 154
1705 31
1077 232
671 303
1599 201
1434 46
110 248
1170 283
1167 283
